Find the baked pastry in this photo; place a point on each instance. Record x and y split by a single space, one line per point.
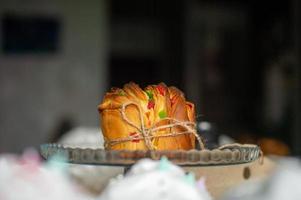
156 118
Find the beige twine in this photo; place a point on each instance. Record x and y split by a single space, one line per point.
147 133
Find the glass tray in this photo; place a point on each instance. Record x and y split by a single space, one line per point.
231 154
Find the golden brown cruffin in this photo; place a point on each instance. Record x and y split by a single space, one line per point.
156 118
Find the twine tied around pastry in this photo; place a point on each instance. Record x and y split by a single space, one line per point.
147 133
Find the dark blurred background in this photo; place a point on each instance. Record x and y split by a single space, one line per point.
238 61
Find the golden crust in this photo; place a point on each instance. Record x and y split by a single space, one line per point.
154 103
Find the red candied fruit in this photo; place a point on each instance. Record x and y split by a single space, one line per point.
135 137
161 90
151 104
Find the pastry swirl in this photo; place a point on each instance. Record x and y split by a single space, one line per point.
156 118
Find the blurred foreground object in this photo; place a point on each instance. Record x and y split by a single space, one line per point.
27 178
285 183
93 178
223 178
152 180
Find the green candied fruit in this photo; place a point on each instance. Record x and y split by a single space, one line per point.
121 93
149 94
162 114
